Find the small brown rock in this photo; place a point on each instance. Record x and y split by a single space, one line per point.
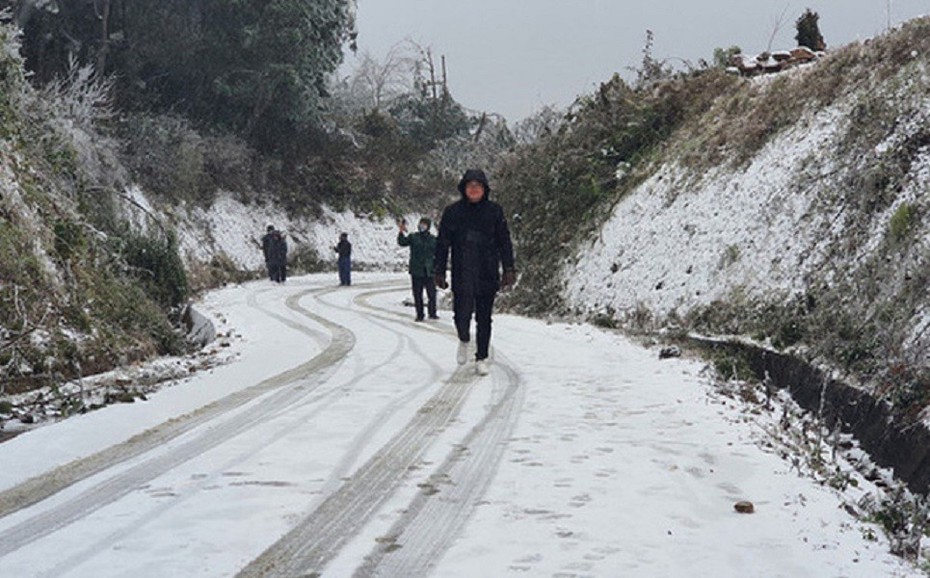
744 507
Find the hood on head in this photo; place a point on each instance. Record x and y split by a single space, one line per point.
475 175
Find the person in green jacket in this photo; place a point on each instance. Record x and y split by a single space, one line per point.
422 250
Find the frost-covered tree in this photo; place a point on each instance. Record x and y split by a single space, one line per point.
255 67
652 69
543 123
377 82
265 64
724 56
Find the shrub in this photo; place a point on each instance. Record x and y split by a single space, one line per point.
82 97
219 271
732 366
789 332
70 241
12 78
303 258
155 263
22 304
127 321
604 320
730 256
901 222
167 157
228 163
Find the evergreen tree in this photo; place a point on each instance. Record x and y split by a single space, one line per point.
809 31
254 67
265 63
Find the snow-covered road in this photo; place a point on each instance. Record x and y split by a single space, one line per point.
345 441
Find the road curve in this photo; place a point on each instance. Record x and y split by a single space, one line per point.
356 487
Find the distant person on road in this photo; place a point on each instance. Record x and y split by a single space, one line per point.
422 252
475 229
274 246
344 249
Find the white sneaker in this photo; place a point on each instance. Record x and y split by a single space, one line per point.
482 367
461 354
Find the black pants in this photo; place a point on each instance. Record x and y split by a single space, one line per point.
419 284
481 305
276 272
345 271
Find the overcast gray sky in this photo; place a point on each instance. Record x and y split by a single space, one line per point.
514 56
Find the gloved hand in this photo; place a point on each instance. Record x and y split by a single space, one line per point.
440 280
508 278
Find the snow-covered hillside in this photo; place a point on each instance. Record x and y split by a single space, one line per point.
233 229
683 239
832 206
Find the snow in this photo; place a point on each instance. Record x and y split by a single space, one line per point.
684 239
582 454
690 239
596 458
234 229
15 208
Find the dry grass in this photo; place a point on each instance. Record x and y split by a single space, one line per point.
742 121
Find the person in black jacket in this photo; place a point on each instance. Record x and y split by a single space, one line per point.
274 246
344 249
475 229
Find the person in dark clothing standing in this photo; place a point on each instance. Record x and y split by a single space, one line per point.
422 252
344 249
475 229
274 246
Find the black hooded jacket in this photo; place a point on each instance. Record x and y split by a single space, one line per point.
274 246
479 238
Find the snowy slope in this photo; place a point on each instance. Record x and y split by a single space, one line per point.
775 227
233 229
702 237
236 230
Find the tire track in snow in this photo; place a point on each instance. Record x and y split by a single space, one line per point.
437 371
437 514
41 487
307 548
281 399
433 519
334 479
318 336
395 317
429 524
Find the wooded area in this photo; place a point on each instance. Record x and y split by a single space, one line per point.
255 68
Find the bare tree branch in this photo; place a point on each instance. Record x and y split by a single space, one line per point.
777 26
